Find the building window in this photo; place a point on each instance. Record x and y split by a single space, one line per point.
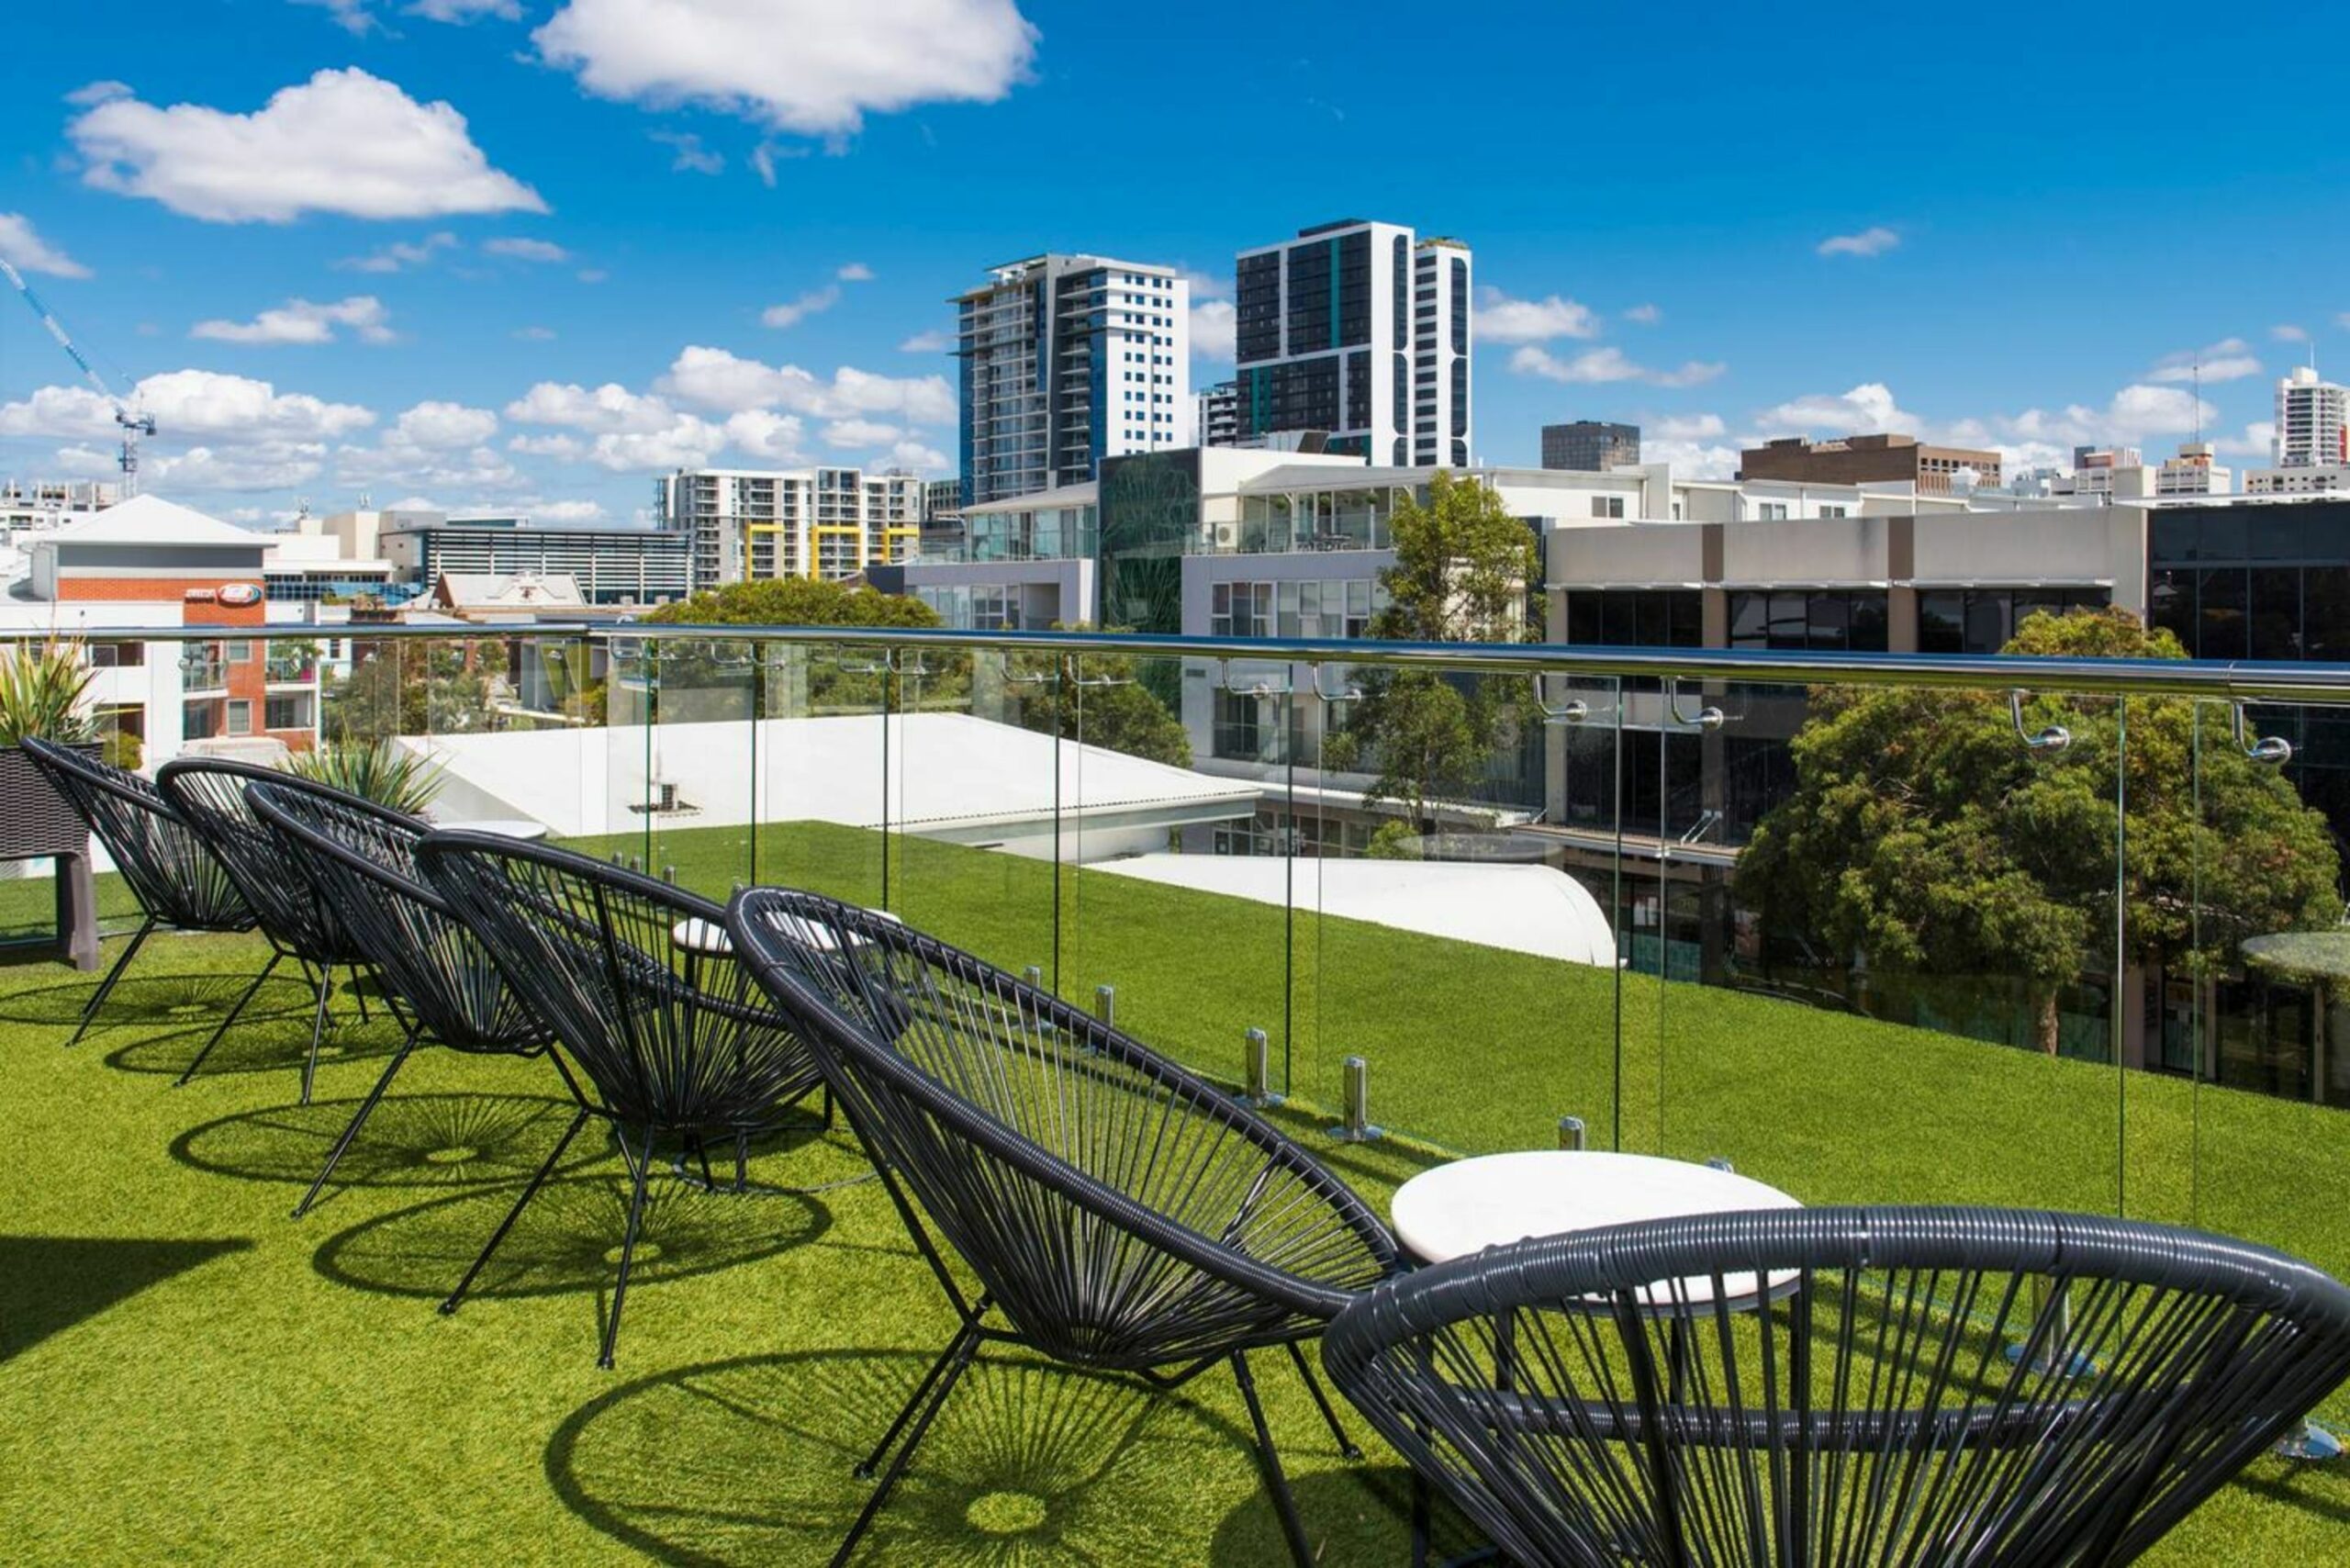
1608 506
117 656
1821 620
239 653
291 713
240 716
1636 618
1770 512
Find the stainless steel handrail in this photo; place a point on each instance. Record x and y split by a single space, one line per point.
2240 680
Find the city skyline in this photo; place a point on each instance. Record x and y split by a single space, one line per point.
522 306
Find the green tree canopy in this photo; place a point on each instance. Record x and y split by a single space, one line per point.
1103 700
1923 837
795 602
712 681
1465 571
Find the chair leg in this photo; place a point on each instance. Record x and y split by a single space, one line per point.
644 1168
967 1341
1322 1402
872 1462
317 1029
366 1108
105 986
516 1212
358 995
223 1029
1276 1482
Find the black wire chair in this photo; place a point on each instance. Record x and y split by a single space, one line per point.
639 981
1913 1386
1121 1215
361 859
177 878
209 795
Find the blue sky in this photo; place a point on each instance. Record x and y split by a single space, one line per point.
532 252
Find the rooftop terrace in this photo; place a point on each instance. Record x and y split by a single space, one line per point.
186 1372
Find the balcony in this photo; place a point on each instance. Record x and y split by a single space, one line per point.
1566 939
202 670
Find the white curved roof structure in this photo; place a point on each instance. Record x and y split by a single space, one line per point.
1523 908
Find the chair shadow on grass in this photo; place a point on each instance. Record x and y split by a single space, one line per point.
417 1140
568 1238
1027 1463
274 1042
170 1001
51 1283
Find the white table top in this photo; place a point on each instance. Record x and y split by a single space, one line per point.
1495 1199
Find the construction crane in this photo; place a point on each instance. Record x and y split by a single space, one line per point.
133 425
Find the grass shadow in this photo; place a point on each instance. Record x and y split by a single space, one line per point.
568 1239
749 1461
420 1140
174 1002
274 1042
50 1282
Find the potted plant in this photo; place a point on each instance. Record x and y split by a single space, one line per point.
41 690
372 770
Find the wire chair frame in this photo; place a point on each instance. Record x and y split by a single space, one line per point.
361 859
1120 1212
638 981
1915 1385
209 795
168 868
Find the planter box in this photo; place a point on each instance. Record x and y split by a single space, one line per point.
35 820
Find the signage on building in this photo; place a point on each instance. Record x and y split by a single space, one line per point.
238 595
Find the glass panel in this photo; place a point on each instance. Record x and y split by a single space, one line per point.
1887 970
821 768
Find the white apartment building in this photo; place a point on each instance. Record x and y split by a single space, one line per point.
1362 331
2302 479
748 524
1067 359
2194 472
2313 421
52 503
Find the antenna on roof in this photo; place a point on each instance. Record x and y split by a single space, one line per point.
2199 401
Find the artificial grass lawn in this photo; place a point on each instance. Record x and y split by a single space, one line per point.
184 1373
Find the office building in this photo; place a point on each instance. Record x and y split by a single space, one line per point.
1591 447
610 565
2194 472
1361 330
1871 459
1067 359
52 503
2312 421
746 524
2302 479
1216 422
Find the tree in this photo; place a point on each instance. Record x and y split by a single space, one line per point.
1101 700
1923 837
848 681
1465 571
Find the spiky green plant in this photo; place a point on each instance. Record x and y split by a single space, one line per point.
41 688
388 775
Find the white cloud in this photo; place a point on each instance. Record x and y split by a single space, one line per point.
1867 410
920 458
400 255
1685 427
593 275
246 468
608 408
461 11
815 302
1501 320
1205 285
1692 459
1644 315
2259 440
692 157
775 438
563 511
714 378
763 159
2230 359
1874 240
936 341
534 334
860 432
98 92
394 464
525 250
341 142
300 322
199 404
855 272
811 67
2286 332
1601 366
1214 330
21 244
438 426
